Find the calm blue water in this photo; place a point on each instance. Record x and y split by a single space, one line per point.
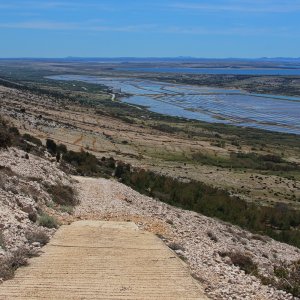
230 71
214 105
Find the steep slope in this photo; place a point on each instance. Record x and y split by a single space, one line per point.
25 201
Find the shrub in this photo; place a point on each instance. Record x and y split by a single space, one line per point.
175 246
243 261
2 241
47 221
17 259
288 278
51 146
165 128
247 161
57 156
61 148
280 222
6 272
5 140
220 144
85 163
5 137
63 194
67 209
38 235
280 271
14 130
272 158
32 139
212 236
121 169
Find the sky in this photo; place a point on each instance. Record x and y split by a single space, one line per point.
156 28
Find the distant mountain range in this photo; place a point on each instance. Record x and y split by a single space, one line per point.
161 59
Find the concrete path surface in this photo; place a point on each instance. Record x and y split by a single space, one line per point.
103 260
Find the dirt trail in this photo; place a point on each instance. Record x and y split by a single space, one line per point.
103 260
78 140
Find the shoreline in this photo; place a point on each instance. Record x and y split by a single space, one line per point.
193 112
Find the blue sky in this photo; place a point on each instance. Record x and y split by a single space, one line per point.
157 28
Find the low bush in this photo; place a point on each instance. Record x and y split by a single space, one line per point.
243 261
6 272
165 128
48 221
175 246
288 278
61 148
5 140
51 146
87 164
9 264
84 162
212 236
10 136
38 235
63 194
2 241
5 136
32 139
67 209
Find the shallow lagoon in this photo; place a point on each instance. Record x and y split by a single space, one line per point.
276 113
230 71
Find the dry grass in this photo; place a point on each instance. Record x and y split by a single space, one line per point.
10 263
63 195
212 236
243 261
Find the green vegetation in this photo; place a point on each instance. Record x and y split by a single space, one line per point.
88 165
279 222
254 161
51 146
46 220
289 278
67 209
286 277
29 138
83 163
5 136
10 136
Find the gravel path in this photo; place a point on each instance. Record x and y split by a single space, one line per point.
196 238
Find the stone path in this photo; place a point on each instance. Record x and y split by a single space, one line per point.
103 260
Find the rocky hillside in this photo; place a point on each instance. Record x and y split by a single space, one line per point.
230 263
36 195
27 201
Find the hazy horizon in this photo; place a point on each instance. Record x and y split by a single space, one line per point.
155 58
